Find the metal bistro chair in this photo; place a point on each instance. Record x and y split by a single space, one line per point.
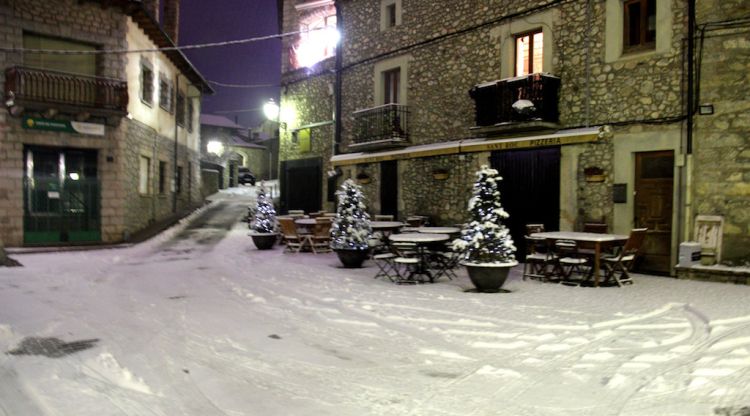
616 267
386 266
539 259
406 261
294 241
569 261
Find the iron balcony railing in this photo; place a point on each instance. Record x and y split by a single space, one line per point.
494 101
43 89
383 126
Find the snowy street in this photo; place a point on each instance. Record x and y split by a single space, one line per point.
197 321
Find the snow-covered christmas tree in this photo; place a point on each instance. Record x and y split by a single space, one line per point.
265 214
485 239
351 227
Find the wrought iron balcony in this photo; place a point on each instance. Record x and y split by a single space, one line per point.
381 127
41 89
520 100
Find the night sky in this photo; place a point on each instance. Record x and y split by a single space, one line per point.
204 21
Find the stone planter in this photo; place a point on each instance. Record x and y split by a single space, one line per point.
264 241
489 277
352 259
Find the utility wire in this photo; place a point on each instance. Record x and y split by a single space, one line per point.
167 48
221 84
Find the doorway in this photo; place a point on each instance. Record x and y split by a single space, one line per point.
654 185
61 196
389 188
529 191
301 181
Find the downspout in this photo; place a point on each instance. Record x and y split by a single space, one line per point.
587 49
337 85
690 74
176 136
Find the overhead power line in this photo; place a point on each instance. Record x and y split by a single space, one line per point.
221 84
167 48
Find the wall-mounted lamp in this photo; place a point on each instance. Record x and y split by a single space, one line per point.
706 109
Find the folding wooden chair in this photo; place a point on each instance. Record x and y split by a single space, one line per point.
294 241
320 239
617 267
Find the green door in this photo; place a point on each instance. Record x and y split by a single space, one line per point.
61 196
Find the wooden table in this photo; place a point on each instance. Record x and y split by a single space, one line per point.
421 240
594 238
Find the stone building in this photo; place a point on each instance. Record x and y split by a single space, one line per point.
581 105
227 146
95 146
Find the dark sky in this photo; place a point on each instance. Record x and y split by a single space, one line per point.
204 21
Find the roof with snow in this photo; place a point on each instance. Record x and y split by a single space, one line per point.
219 121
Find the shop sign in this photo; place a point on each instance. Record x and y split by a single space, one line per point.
36 123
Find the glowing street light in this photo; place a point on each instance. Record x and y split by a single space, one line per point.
271 110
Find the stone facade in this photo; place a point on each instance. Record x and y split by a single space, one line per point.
637 99
721 145
123 210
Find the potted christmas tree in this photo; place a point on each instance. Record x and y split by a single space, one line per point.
263 226
351 231
485 246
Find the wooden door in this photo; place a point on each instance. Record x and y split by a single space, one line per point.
530 190
654 182
389 188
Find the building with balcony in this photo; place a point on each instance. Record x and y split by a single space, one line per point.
582 106
96 144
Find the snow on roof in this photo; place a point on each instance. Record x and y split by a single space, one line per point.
219 121
240 142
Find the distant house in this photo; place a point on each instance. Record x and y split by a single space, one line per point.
226 146
95 147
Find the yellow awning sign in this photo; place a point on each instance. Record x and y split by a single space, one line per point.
562 137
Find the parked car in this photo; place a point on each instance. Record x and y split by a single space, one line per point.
244 176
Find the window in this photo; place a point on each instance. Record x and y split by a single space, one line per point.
318 36
147 82
165 92
639 27
391 81
189 118
178 180
390 14
529 52
144 175
78 64
180 109
162 177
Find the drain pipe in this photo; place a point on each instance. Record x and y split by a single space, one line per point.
176 136
587 48
338 83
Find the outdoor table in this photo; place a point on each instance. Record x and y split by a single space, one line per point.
305 225
439 230
596 239
422 240
386 228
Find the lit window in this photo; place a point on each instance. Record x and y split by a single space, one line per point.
144 175
639 27
317 40
529 53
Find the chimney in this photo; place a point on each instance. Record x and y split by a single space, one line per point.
152 7
172 19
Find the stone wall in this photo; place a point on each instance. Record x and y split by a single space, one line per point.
721 146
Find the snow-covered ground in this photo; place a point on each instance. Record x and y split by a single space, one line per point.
230 330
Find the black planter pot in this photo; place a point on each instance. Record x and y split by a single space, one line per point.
264 241
489 278
352 259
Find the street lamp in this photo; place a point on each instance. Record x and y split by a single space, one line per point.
271 110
